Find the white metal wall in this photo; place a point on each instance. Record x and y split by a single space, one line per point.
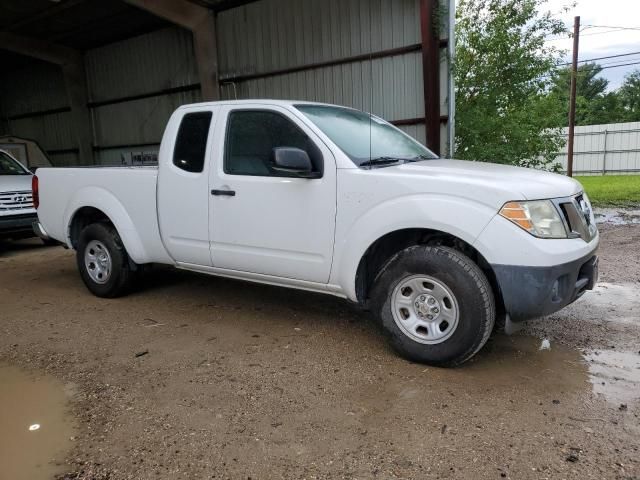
601 149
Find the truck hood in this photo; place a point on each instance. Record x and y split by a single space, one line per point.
504 181
15 183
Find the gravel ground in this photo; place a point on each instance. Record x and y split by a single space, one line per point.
251 381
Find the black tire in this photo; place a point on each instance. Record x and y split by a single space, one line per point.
473 295
121 275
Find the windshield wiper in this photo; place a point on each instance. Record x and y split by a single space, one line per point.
379 161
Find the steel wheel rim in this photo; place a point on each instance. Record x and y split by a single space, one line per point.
425 309
97 261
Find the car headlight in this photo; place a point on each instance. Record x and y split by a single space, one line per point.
538 217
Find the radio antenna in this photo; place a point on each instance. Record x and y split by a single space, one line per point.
370 82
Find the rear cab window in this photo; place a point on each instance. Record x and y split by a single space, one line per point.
191 142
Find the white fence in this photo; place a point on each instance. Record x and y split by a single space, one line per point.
604 149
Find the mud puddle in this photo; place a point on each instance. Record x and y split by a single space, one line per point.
615 375
35 431
616 303
614 216
519 361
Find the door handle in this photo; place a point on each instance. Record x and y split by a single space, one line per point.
227 193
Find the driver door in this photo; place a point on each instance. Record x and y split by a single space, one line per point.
263 221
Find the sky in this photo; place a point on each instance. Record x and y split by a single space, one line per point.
596 41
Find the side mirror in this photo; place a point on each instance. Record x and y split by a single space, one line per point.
293 161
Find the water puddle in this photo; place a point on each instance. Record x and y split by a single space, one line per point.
514 361
615 375
517 361
617 216
35 431
615 303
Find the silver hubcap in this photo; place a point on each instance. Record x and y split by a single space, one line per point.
425 309
98 261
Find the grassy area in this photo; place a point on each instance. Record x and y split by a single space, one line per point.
612 190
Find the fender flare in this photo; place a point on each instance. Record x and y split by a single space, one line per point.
457 216
103 200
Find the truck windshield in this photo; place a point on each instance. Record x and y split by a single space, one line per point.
8 166
365 138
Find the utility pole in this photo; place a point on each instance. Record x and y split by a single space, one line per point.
572 95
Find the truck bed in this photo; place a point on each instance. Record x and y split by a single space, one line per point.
128 194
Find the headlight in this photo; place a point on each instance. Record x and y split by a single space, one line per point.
539 217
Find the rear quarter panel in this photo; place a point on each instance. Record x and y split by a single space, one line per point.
126 195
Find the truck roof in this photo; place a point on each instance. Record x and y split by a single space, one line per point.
264 101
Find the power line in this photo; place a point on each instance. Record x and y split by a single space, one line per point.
604 58
617 30
615 62
611 26
554 72
612 29
621 65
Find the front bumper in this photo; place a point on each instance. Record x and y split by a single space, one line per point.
529 292
17 225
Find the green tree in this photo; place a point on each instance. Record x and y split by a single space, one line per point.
502 72
594 105
588 84
629 95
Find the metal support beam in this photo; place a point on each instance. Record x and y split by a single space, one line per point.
206 51
75 80
431 72
54 9
34 48
72 64
201 22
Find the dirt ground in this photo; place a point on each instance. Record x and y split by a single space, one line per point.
250 381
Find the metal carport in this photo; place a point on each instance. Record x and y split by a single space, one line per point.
91 80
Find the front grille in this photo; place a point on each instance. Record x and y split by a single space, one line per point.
578 217
15 201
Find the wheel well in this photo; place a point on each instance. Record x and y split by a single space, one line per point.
387 246
83 218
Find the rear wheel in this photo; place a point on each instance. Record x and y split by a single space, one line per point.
103 261
435 304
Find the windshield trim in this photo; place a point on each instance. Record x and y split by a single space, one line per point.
359 161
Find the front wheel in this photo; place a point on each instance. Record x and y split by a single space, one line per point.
436 305
103 261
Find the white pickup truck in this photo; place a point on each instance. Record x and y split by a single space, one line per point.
333 200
